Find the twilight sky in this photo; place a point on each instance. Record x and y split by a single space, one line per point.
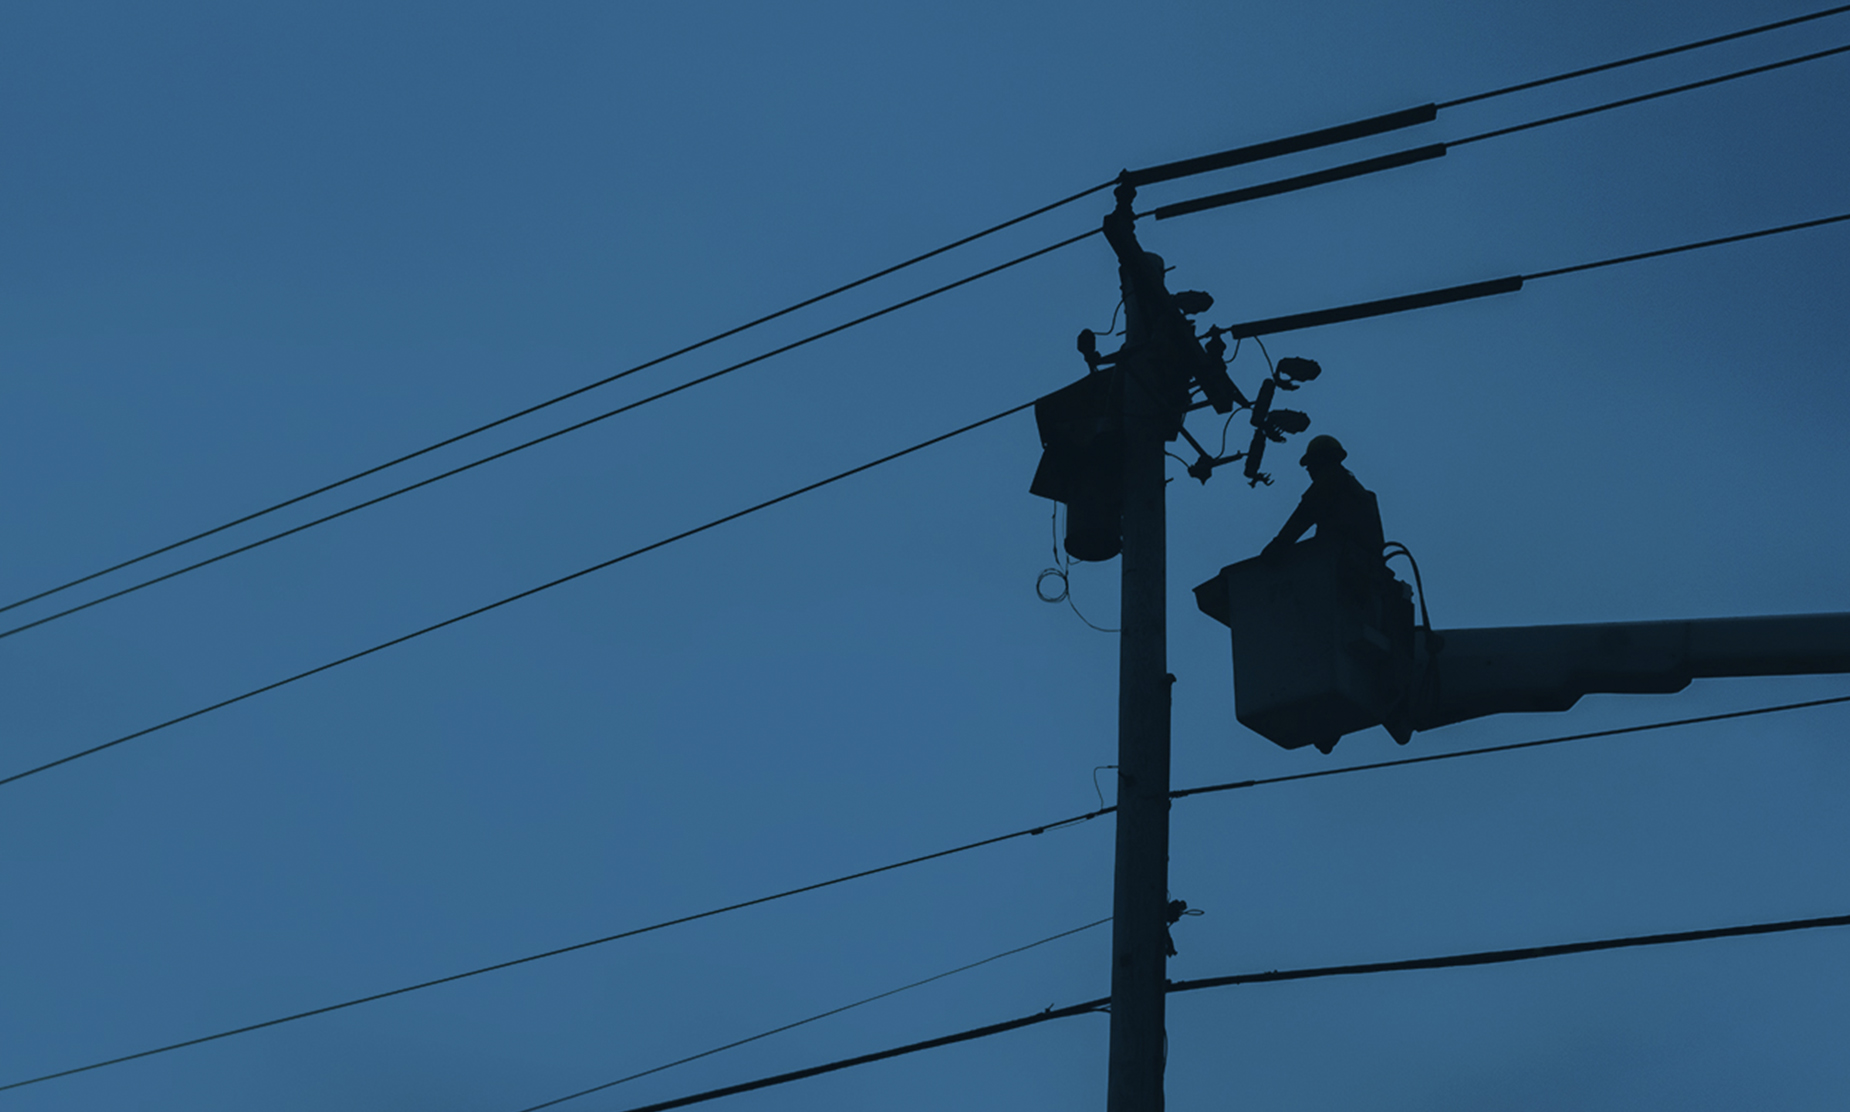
251 249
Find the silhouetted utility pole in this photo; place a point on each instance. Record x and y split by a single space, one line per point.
1103 441
1139 943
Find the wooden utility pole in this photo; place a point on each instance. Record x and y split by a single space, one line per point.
1140 898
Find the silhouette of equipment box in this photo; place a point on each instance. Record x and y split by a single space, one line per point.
1312 657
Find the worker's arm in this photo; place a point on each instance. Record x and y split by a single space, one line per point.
1297 524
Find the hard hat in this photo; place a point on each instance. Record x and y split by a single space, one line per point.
1323 448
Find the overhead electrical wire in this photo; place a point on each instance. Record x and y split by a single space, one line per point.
1660 252
1646 57
1165 172
1424 113
1025 832
1617 731
1511 284
1450 961
1248 193
1654 95
1268 326
810 1019
517 596
555 400
552 953
586 423
1326 136
1438 150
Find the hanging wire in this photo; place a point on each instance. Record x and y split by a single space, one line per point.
1061 570
1112 328
1238 409
1269 365
1100 792
1395 548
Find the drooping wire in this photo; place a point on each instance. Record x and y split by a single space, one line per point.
499 421
1096 790
1395 548
1271 367
813 1018
1449 961
1112 328
1232 358
1061 570
1225 425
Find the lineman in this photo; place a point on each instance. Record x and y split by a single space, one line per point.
1341 508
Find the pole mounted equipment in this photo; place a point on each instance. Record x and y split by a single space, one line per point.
1103 448
1081 426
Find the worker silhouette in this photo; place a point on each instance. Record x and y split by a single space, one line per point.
1343 510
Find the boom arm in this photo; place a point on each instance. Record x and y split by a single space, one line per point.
1322 649
1546 668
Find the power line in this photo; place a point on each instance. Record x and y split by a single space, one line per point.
811 1019
1156 174
1438 150
538 440
1276 324
557 951
1257 152
499 421
1421 114
1034 830
1168 171
1510 748
1291 322
1525 953
1162 173
1301 182
1510 284
881 1055
1662 251
582 572
1452 961
1636 58
1609 105
1025 832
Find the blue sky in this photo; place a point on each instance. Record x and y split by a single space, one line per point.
252 249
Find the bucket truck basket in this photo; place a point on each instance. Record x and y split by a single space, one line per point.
1322 647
